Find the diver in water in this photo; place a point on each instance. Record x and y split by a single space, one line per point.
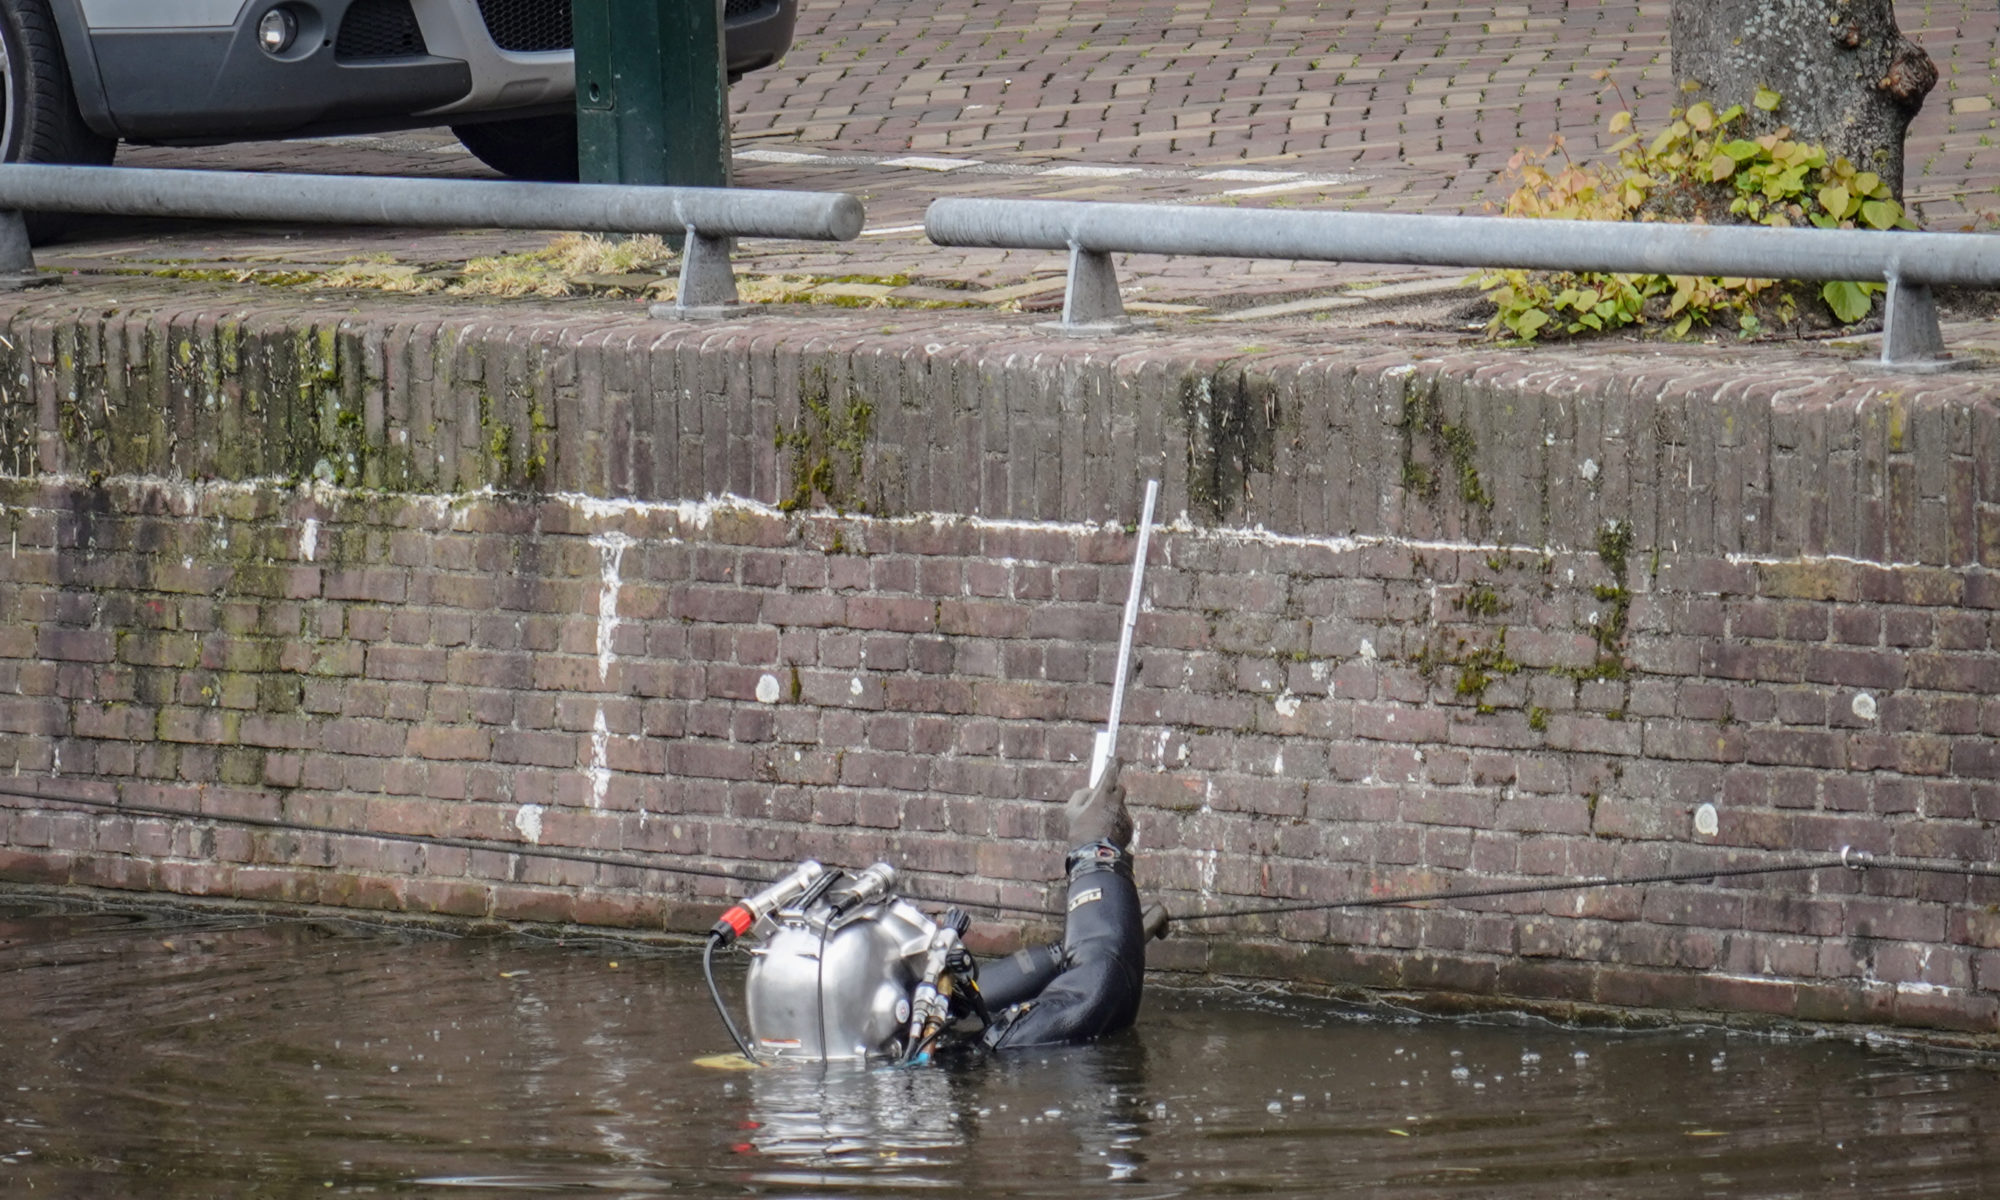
845 968
1088 985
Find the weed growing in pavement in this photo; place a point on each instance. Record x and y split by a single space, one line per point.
1696 170
381 273
550 271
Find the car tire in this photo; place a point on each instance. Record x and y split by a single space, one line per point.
39 120
539 148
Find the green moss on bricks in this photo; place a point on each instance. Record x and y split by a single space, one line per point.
1476 671
1452 449
826 450
541 438
1474 667
344 437
329 355
1232 416
1614 549
497 438
1614 546
229 347
1481 601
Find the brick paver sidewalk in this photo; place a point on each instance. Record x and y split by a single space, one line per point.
1393 105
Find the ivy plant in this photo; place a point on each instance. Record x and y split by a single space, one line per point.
1698 169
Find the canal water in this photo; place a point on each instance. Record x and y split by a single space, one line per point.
151 1054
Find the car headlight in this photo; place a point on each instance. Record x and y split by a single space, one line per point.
277 31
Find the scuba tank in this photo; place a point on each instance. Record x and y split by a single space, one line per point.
842 967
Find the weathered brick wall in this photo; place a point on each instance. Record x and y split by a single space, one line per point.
1424 619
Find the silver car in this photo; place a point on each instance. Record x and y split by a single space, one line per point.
82 75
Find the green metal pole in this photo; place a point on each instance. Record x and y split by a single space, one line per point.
652 97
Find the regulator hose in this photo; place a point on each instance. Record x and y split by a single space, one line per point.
715 994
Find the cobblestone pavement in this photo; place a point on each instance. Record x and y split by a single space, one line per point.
1397 105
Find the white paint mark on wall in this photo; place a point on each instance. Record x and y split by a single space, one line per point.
854 686
1207 870
309 539
600 751
1706 823
528 819
767 689
1286 704
1368 649
1863 706
610 555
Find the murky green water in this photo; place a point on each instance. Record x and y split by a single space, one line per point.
165 1056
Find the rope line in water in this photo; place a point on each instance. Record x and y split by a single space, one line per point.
1847 858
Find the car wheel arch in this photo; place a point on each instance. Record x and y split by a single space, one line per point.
85 80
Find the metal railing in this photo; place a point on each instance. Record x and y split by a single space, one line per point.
707 217
1911 264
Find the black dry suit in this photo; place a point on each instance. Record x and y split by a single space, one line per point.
1089 985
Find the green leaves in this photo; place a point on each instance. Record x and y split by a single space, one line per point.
1881 214
1697 169
1849 301
1528 323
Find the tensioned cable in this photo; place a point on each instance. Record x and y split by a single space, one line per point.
1848 858
1520 889
525 849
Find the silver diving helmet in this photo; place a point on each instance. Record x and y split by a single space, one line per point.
843 968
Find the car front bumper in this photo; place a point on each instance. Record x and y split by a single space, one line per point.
218 84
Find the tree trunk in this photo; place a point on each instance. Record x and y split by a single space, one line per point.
1846 76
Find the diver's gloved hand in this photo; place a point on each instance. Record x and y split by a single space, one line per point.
1098 814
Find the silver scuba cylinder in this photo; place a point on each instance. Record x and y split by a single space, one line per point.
832 971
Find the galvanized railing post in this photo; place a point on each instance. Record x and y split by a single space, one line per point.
1091 303
1911 263
711 218
17 255
708 286
1911 337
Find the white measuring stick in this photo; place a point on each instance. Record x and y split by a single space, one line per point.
1107 738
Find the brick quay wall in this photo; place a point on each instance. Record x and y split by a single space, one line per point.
1425 616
